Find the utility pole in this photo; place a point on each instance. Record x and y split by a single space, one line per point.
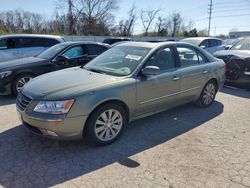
210 8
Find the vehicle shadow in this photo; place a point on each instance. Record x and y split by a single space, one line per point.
7 100
27 160
236 92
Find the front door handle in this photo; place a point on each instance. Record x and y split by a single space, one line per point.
175 78
205 72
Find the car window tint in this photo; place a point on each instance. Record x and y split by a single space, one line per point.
11 43
204 43
219 42
202 58
74 52
25 42
45 42
3 44
213 43
164 59
187 56
95 49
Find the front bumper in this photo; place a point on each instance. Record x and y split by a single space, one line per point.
61 129
5 88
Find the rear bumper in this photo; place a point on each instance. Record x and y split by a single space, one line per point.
243 82
61 129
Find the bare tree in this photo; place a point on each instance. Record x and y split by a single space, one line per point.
89 17
126 27
147 17
175 23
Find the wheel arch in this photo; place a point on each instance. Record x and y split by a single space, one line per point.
108 101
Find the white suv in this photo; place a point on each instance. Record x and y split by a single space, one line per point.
19 46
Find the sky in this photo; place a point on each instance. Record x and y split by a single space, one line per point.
227 14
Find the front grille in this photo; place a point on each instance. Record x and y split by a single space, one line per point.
22 101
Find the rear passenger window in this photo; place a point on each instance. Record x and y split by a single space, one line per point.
187 56
202 58
45 42
213 43
3 44
204 43
95 49
26 42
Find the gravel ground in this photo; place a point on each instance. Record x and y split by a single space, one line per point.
182 147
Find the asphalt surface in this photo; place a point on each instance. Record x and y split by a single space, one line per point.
183 147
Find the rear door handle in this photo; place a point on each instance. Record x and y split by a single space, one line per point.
175 78
205 72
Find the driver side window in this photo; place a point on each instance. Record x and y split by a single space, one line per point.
164 59
74 52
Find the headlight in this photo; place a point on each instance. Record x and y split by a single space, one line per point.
54 107
5 74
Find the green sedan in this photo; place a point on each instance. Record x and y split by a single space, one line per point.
125 83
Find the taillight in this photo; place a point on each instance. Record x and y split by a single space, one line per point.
225 67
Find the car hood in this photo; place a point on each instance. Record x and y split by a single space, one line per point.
65 84
12 64
238 53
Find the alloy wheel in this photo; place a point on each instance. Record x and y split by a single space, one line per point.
209 94
21 82
108 125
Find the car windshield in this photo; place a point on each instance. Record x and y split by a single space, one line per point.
52 51
243 44
118 61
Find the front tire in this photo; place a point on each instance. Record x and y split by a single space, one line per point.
105 125
207 95
19 82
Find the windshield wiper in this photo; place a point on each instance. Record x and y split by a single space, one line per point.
95 70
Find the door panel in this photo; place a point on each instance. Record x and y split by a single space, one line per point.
156 92
193 71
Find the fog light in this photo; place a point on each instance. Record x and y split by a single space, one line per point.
48 132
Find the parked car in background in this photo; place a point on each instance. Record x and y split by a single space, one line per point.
113 40
15 73
20 46
207 43
237 59
127 82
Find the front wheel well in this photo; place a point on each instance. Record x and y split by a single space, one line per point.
114 101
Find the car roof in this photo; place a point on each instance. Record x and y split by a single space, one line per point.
152 45
200 38
30 35
85 42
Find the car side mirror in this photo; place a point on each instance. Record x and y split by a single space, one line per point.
203 47
62 58
227 47
150 71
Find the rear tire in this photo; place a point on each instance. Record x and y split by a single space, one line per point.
105 125
20 81
207 95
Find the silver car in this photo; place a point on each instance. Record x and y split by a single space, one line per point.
125 83
209 44
25 45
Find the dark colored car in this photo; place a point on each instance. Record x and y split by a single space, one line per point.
237 59
115 40
14 74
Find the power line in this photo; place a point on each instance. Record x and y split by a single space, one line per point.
230 10
237 15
